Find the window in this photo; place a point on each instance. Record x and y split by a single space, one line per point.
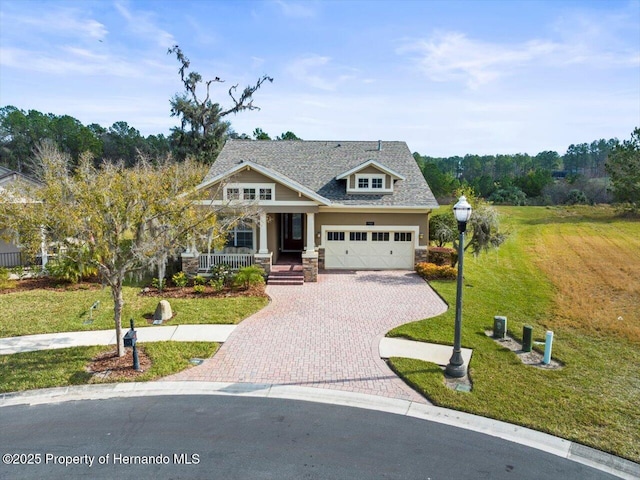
250 191
370 182
265 194
358 236
335 236
380 236
402 236
241 236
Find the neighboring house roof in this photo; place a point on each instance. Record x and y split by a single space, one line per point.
317 165
9 176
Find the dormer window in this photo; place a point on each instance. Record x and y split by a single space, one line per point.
370 183
370 177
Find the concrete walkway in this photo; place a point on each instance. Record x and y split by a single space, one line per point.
325 335
176 333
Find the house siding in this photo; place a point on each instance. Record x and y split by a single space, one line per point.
282 192
392 219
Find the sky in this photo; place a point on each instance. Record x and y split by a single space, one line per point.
447 77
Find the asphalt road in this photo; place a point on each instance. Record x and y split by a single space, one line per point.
220 437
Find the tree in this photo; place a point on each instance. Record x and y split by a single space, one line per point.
442 228
127 218
623 167
202 122
484 224
260 134
288 136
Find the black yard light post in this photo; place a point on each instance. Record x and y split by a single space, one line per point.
456 367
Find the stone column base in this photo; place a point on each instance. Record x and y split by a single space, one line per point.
321 258
190 264
310 266
421 255
264 260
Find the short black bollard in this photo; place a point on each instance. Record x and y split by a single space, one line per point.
527 334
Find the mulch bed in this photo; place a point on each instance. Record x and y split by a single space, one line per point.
109 366
52 284
47 283
209 292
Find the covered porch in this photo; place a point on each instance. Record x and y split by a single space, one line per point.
277 237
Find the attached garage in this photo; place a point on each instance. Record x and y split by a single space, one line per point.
379 248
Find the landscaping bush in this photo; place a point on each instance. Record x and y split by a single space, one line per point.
198 288
180 279
217 284
69 270
431 271
250 276
4 278
199 280
223 273
442 256
157 283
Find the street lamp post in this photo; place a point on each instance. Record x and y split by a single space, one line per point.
456 367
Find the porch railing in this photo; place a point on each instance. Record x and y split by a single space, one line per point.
236 261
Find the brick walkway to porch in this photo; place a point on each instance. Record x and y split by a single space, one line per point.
324 334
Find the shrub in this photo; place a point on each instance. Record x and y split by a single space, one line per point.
199 289
509 196
69 270
442 256
576 197
431 271
199 280
180 279
217 284
158 283
4 279
223 273
250 276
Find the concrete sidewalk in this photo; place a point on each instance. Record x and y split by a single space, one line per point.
176 333
389 347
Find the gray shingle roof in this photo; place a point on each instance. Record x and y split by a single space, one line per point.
316 164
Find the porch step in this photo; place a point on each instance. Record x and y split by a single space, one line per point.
286 276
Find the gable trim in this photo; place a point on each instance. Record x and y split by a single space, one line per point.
269 173
371 163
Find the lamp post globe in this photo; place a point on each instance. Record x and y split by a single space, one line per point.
456 367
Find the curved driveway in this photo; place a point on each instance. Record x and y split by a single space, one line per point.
324 334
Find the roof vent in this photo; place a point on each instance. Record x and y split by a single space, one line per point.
379 145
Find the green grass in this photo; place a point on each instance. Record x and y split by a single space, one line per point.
25 371
592 400
46 311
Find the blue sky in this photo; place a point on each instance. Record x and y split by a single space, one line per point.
449 78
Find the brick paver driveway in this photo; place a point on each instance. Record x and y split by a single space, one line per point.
324 334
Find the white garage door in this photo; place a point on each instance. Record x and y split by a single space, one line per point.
369 249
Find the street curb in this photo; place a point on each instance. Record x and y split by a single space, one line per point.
597 459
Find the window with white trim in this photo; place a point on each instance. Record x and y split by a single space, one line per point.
370 183
358 236
240 236
402 236
250 191
379 236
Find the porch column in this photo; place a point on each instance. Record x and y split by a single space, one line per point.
311 232
262 246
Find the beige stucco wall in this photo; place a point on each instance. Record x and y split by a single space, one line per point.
379 219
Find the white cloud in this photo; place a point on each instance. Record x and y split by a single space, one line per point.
450 56
59 21
318 72
296 9
142 24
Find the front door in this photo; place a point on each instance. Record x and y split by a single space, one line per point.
291 232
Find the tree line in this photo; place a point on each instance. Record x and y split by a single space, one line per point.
522 178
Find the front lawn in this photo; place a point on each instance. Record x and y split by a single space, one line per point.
52 311
56 368
573 271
